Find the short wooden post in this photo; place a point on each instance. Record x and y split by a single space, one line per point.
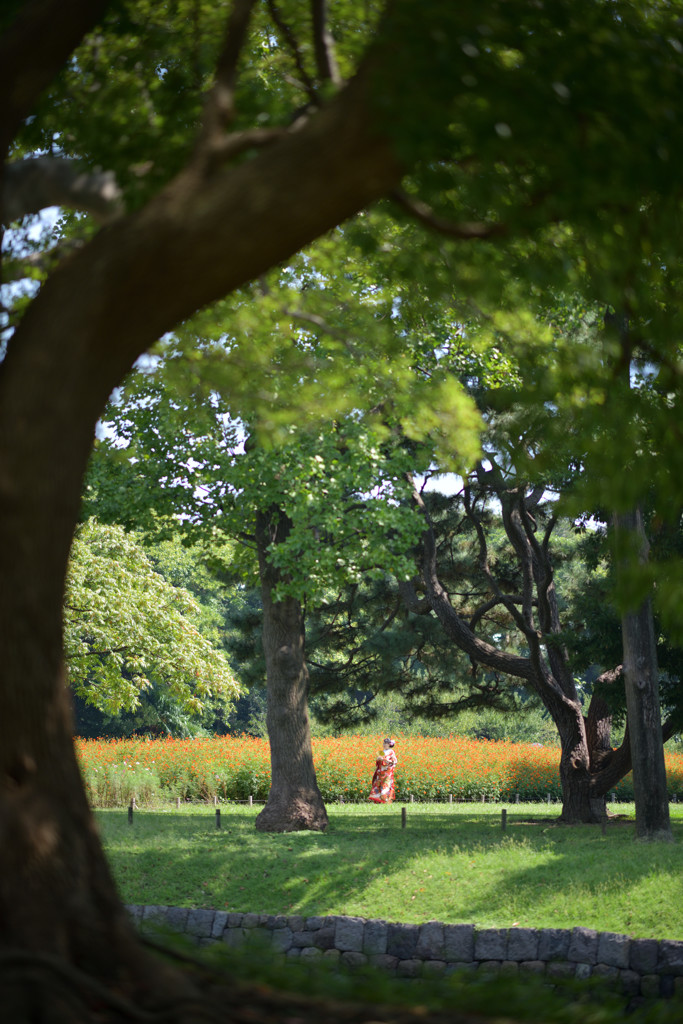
483 798
403 817
503 819
215 800
548 797
450 798
251 800
516 798
614 797
218 817
412 799
130 813
177 803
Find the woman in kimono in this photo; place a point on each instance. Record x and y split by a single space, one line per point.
382 791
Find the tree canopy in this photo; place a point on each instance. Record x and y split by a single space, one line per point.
127 630
540 145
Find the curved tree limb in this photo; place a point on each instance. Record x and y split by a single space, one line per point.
33 184
467 231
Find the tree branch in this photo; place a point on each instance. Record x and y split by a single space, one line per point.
219 107
455 626
32 51
323 45
291 41
467 231
33 184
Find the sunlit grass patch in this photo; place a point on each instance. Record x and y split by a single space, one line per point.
452 863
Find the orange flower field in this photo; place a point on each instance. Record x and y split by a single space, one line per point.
237 767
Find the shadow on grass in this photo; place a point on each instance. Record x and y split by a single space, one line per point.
367 860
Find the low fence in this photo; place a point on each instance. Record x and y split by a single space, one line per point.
648 968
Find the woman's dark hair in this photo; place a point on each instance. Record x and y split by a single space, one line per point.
389 741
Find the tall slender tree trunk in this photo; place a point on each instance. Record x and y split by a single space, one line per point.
642 699
294 802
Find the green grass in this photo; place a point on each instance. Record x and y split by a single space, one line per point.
451 864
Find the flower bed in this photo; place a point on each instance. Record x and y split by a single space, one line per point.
237 767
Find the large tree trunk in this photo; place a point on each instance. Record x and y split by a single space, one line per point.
642 702
57 896
294 802
581 803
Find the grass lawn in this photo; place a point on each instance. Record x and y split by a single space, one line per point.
453 863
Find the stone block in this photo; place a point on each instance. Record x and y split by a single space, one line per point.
153 917
200 923
666 986
303 939
410 968
670 959
353 959
383 961
219 925
509 968
235 920
430 941
491 967
583 946
375 937
282 939
176 918
135 911
523 944
402 940
349 934
532 967
458 942
553 944
643 955
314 923
629 982
332 955
433 968
293 954
614 949
583 971
324 937
251 920
490 944
649 986
234 938
296 923
560 969
606 973
461 967
311 953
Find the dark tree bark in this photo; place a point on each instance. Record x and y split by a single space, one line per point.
642 702
211 230
294 802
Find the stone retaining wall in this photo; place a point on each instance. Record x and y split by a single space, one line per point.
637 967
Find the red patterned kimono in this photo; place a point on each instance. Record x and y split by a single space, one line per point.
382 791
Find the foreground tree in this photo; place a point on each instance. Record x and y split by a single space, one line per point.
226 200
